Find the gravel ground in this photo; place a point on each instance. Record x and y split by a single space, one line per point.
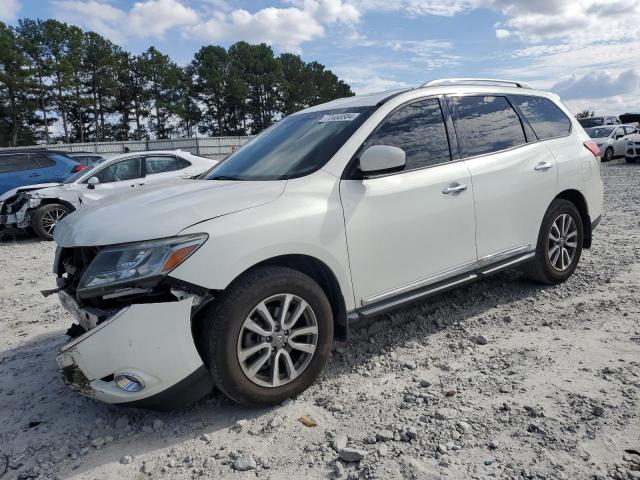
501 379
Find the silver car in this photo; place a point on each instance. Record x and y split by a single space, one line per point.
611 139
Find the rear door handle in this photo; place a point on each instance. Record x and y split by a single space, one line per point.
543 166
454 188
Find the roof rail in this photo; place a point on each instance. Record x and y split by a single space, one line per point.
473 81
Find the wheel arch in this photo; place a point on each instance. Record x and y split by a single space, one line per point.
52 201
575 197
321 273
318 271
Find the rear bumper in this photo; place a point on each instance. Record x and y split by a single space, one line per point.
151 341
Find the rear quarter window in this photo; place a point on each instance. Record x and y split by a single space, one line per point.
17 162
486 124
544 116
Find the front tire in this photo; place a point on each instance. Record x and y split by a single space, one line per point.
268 337
630 159
608 155
559 244
45 219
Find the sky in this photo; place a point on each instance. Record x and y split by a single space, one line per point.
588 51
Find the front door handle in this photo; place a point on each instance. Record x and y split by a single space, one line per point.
454 188
543 166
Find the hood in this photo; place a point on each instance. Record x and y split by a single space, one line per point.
161 212
37 186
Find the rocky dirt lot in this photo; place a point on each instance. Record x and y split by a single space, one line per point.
503 379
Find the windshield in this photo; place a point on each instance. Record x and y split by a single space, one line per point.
599 132
591 121
295 146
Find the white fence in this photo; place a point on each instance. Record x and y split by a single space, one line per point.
212 147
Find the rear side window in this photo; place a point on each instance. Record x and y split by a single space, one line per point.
182 163
546 119
418 129
17 162
160 164
486 124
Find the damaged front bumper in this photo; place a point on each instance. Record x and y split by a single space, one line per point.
151 342
14 211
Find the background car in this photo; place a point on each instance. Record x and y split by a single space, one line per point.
86 158
611 140
41 207
29 167
598 121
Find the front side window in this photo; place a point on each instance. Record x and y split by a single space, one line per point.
545 117
295 146
160 164
124 170
486 124
419 130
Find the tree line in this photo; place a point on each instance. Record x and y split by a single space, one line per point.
93 90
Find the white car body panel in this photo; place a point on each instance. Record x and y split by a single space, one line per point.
511 197
380 237
401 225
161 211
305 220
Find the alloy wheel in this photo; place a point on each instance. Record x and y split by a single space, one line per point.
277 340
51 218
562 242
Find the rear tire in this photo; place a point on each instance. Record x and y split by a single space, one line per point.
46 217
278 368
559 244
608 155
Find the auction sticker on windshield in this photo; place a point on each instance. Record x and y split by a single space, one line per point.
339 117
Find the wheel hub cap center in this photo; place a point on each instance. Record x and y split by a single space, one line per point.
279 340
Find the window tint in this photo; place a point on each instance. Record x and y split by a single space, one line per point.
49 159
125 170
15 162
545 117
629 130
160 164
182 163
486 124
418 129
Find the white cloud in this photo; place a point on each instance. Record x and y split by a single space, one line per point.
97 16
418 7
9 10
148 18
502 33
598 85
286 28
370 77
152 18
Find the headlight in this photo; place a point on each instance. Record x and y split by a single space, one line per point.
137 262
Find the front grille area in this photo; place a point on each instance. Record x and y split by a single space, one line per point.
72 264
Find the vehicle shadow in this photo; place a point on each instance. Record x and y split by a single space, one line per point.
14 235
39 414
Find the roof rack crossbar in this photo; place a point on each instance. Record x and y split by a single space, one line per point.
472 80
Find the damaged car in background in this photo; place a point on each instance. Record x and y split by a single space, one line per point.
41 207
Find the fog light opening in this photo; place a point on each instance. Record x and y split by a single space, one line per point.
129 382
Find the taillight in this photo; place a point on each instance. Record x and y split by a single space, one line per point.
593 148
78 168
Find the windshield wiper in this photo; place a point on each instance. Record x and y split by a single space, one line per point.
225 177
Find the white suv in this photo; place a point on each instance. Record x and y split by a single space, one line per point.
344 210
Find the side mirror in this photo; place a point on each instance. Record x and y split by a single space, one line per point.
382 158
92 182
